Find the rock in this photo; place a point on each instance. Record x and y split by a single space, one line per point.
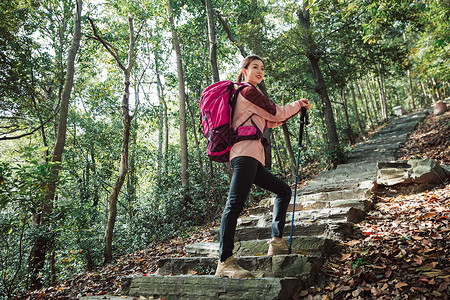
399 111
440 108
392 174
426 171
421 171
186 287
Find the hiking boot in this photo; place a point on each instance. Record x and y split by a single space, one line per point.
276 248
230 268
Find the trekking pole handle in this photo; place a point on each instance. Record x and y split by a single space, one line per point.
304 120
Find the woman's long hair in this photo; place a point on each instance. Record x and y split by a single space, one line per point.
245 63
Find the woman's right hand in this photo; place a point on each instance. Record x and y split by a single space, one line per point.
305 103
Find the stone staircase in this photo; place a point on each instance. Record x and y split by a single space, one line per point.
325 212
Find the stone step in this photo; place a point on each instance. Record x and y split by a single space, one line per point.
350 214
292 265
379 152
260 233
359 193
345 175
375 158
330 214
389 138
208 287
107 297
310 245
328 192
263 220
357 167
329 185
363 204
333 229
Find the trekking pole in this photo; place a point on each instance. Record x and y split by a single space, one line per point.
303 122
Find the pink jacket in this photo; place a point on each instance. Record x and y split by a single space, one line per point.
251 102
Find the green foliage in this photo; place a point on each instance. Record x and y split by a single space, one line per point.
14 241
22 191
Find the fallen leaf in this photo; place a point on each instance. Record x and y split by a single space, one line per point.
433 273
418 260
346 256
400 284
443 287
356 292
430 215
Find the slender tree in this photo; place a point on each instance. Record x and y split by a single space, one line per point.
303 14
42 243
182 99
355 107
212 41
126 122
348 128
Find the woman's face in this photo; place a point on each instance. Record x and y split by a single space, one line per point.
254 73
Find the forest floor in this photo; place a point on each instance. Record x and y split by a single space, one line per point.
401 250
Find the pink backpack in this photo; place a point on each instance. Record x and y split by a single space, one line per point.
216 106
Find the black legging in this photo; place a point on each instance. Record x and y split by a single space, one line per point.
246 171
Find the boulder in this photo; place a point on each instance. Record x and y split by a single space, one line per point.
440 108
421 171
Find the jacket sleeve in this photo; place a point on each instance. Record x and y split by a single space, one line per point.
274 114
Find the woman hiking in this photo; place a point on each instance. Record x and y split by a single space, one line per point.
248 160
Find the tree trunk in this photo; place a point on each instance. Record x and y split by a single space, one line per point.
164 128
366 102
410 86
182 100
355 107
348 130
212 41
430 91
381 86
435 87
126 125
132 177
333 139
41 244
277 153
411 93
230 34
291 155
197 144
114 195
374 100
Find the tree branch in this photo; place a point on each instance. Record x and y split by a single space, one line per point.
107 46
225 26
4 138
132 41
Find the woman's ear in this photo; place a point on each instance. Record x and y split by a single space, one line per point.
244 71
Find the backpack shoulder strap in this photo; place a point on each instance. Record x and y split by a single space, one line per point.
234 99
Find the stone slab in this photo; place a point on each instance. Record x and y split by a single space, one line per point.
311 245
107 297
293 265
333 229
208 287
308 245
259 233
